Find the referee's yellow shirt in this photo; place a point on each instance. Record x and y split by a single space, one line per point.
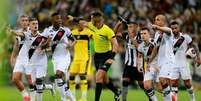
102 38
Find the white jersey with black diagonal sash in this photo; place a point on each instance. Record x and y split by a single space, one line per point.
180 53
20 40
59 43
151 70
37 57
59 51
146 50
165 51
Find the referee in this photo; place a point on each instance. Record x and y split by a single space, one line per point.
105 45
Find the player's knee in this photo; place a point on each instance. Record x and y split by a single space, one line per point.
99 77
39 85
125 83
15 79
146 86
28 77
164 83
187 84
174 84
59 74
99 80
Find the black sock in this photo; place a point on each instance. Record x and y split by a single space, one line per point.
142 87
98 91
111 86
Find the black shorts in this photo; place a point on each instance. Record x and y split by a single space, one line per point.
132 73
100 59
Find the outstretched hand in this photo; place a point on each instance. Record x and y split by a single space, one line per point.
109 61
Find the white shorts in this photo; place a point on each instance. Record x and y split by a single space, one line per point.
39 71
183 72
22 67
151 75
61 65
165 71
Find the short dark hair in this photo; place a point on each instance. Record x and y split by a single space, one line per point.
77 19
97 13
174 23
55 14
32 19
132 22
145 28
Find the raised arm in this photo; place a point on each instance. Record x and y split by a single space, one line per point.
167 30
116 27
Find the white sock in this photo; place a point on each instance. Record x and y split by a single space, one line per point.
62 92
154 98
24 93
48 86
191 93
39 91
68 93
39 96
167 94
150 93
33 95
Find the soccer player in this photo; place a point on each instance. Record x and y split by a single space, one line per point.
181 43
165 60
81 58
35 58
60 38
17 59
150 72
105 45
130 72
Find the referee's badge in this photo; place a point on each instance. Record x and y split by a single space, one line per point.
78 37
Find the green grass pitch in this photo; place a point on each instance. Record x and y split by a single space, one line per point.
11 94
